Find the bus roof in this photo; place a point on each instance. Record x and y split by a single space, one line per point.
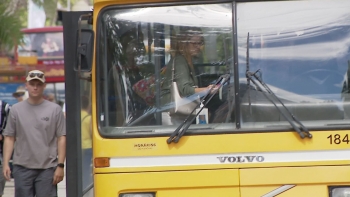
43 29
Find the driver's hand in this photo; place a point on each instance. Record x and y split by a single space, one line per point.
212 88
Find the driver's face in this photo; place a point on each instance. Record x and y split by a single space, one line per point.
195 45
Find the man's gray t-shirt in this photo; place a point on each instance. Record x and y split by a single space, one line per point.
35 128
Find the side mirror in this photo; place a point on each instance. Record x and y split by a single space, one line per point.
85 49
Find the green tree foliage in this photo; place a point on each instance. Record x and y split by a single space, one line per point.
50 7
14 17
224 49
10 29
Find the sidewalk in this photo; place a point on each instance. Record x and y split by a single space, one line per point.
10 189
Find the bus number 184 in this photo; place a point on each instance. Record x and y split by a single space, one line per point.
338 139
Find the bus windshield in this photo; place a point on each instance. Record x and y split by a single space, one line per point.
303 58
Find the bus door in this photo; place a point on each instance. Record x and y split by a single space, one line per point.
79 176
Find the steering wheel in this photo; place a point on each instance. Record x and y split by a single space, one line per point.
317 81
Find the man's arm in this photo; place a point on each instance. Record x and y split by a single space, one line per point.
61 144
59 173
61 136
8 149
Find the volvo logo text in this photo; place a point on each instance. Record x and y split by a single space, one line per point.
241 159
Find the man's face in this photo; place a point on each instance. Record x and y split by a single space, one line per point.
35 88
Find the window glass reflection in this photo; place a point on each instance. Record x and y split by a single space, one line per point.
303 55
86 136
45 45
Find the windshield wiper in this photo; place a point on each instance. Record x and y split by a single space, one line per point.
183 127
248 79
301 130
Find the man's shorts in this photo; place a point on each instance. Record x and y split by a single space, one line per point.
34 182
2 181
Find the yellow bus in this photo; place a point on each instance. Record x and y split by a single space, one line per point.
267 82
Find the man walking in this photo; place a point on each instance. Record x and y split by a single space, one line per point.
38 127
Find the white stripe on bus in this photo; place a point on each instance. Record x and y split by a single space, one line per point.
236 158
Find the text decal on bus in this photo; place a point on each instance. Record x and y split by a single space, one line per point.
241 159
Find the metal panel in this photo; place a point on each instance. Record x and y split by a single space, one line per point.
72 88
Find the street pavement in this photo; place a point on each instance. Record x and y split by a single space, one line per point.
10 189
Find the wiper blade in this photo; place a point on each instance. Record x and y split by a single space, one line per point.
183 127
302 131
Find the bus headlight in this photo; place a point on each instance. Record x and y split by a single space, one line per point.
138 195
340 192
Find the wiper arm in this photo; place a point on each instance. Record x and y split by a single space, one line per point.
248 79
183 127
302 131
